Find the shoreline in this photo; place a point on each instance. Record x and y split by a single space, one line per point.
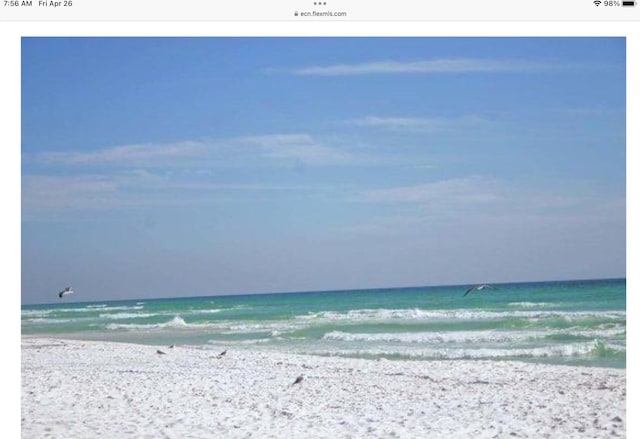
74 388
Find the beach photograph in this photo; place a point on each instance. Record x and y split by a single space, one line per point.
323 237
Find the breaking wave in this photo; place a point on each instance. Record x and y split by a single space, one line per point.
532 304
458 314
492 336
126 315
594 348
176 322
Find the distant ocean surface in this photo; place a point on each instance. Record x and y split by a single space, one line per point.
567 322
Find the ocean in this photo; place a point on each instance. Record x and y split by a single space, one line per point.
581 322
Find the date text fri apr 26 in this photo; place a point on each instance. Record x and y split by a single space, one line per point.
55 3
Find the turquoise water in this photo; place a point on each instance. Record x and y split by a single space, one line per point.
568 322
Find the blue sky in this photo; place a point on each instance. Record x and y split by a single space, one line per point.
158 167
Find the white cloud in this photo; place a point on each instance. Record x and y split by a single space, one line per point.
183 173
138 188
485 202
458 191
87 190
46 192
237 151
127 154
300 148
417 124
445 65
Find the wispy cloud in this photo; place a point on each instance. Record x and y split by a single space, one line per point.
137 188
443 65
485 200
458 191
271 149
54 192
416 124
127 154
298 148
179 173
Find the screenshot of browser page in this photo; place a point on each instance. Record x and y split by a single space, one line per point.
357 142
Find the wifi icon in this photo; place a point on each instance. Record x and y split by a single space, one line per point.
597 2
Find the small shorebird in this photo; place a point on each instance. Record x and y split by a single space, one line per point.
298 380
478 287
159 352
65 292
222 354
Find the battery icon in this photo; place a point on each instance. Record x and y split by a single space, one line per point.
628 3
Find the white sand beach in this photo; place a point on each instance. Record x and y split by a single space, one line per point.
87 389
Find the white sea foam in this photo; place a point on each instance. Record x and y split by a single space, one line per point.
35 312
491 336
126 315
217 310
176 322
608 332
221 327
616 346
564 350
120 308
235 343
241 306
418 314
205 311
370 314
532 304
224 327
42 320
270 327
88 308
436 337
42 312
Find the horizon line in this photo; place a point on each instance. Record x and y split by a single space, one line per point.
334 290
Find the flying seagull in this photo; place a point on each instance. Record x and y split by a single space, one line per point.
477 287
65 292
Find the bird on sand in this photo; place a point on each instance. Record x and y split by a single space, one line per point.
159 352
222 354
298 380
65 292
479 288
